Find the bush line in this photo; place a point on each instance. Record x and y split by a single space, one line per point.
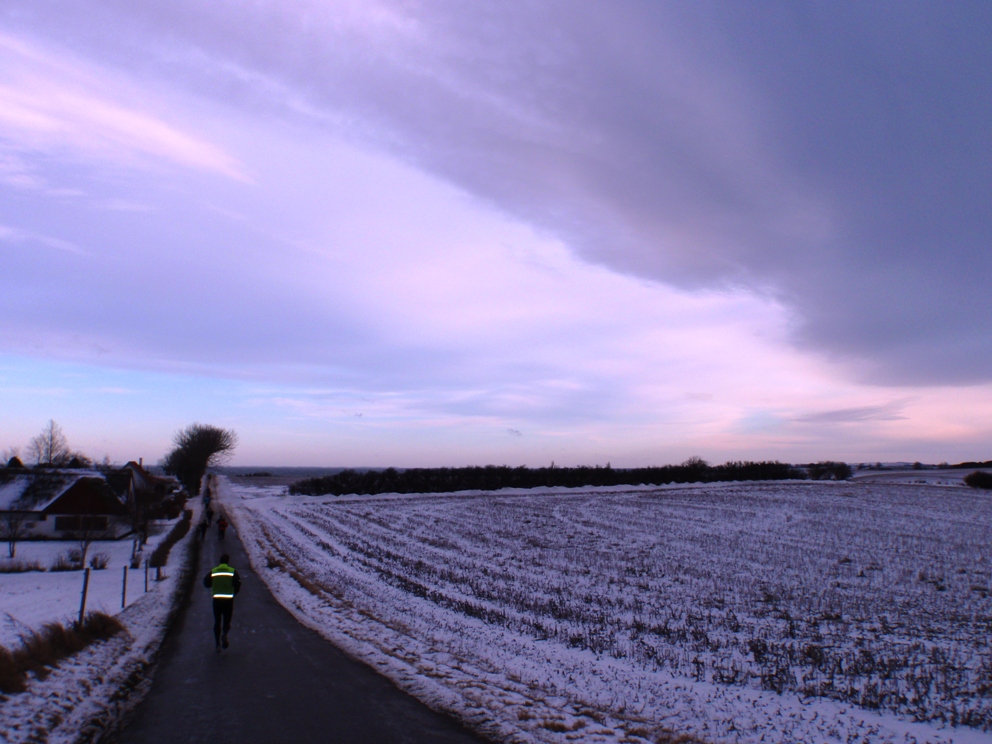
979 479
160 556
492 477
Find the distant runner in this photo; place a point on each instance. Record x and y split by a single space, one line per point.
221 527
225 583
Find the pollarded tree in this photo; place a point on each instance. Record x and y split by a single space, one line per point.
50 448
198 446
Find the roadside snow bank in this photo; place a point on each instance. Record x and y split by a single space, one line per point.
88 693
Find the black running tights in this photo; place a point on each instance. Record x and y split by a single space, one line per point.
223 608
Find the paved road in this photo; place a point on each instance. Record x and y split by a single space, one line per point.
278 682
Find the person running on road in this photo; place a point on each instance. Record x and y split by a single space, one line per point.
225 583
221 527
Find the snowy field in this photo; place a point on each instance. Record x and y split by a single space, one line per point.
737 612
89 692
30 599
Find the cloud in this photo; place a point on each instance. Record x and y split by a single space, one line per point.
123 205
595 224
51 104
833 157
16 235
885 412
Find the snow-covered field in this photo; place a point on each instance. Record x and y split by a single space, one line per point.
30 599
737 612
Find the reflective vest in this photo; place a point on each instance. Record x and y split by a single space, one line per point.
222 581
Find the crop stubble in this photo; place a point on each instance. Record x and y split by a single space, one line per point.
875 595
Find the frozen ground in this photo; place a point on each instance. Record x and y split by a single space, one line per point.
939 477
30 599
737 612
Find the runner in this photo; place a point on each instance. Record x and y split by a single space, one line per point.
225 583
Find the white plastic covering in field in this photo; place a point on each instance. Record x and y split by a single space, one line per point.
735 612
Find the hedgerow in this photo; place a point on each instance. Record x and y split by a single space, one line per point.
160 556
979 479
492 477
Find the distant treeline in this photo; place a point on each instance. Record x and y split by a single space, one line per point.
962 465
492 477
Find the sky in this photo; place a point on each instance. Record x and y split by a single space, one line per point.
444 233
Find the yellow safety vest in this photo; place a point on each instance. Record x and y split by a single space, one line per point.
222 581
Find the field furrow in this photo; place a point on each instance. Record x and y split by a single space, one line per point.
828 609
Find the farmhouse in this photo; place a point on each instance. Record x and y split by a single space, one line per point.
61 504
140 481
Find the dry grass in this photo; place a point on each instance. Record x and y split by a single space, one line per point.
42 650
304 582
678 739
15 565
65 562
283 563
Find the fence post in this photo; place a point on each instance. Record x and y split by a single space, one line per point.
82 603
146 574
124 590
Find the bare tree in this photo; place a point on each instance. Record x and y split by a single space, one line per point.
50 447
13 526
140 514
90 528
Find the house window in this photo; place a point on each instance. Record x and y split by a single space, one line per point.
75 524
66 523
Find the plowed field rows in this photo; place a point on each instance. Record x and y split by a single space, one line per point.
873 596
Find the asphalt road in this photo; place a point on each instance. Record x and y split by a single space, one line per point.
278 682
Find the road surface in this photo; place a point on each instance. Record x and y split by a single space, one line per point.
278 682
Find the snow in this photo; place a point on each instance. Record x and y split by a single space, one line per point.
939 477
11 491
88 693
34 598
619 614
